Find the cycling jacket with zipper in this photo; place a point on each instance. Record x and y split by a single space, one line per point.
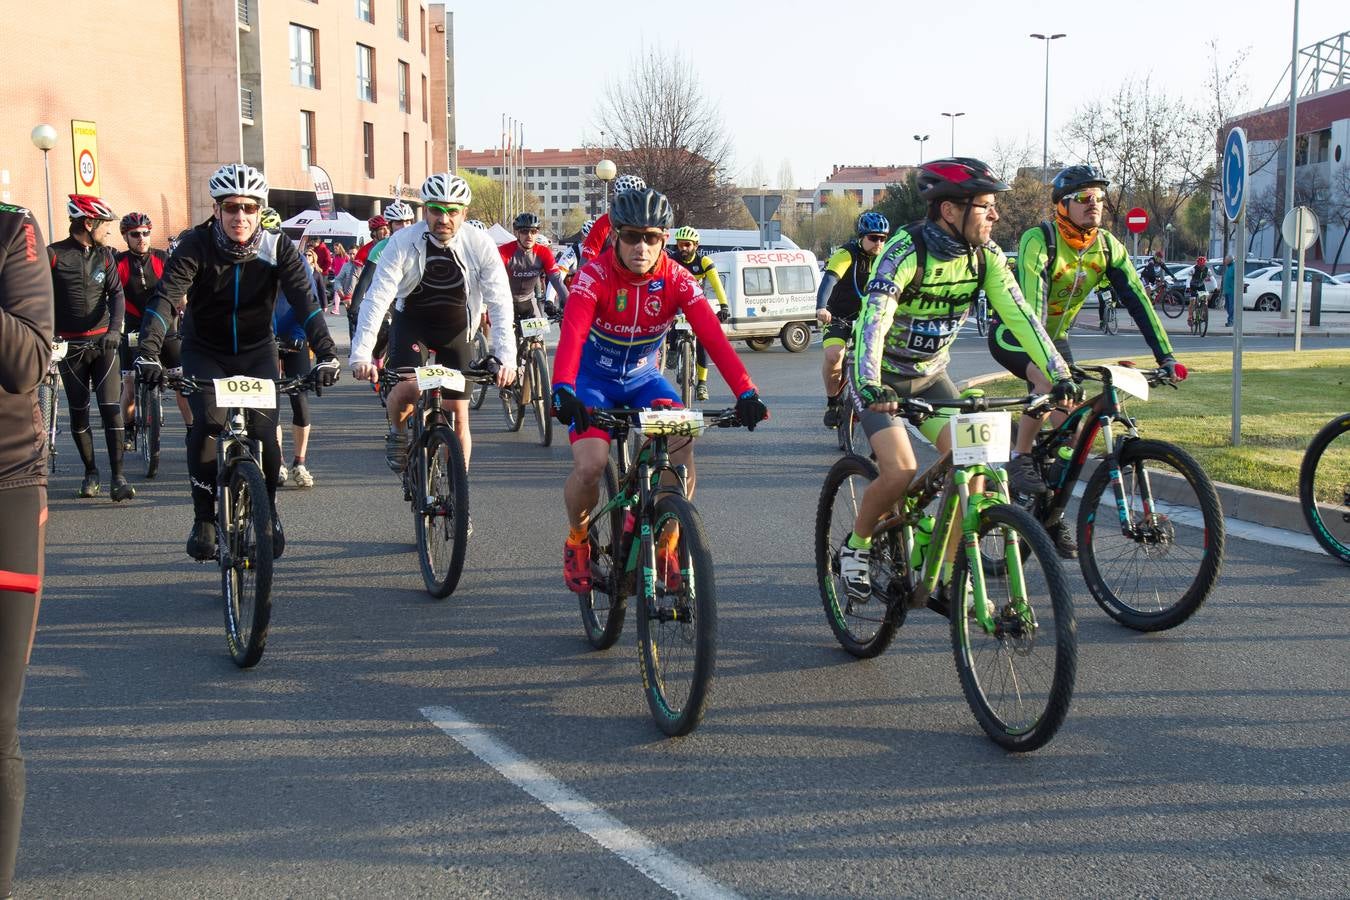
25 347
230 304
88 293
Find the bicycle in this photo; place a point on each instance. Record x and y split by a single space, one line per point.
1324 487
435 481
480 351
532 384
147 422
982 314
49 400
1134 570
1169 296
677 609
1197 312
245 538
1012 624
1110 323
680 355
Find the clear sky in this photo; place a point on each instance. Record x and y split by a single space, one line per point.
819 83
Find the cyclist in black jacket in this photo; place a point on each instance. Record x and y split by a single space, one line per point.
229 269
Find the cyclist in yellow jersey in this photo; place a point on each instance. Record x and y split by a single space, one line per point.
843 285
701 266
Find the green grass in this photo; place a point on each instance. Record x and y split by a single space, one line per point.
1286 399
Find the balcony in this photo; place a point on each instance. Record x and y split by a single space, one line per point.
241 12
246 105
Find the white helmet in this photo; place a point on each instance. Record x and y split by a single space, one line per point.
477 223
629 183
238 180
446 188
398 211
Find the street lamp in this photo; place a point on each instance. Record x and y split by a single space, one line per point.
921 141
1045 138
605 170
953 116
44 138
1167 240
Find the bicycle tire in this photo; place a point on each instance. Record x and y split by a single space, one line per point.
539 400
1173 304
1112 320
1329 453
479 391
440 509
864 630
245 528
847 420
982 317
1203 320
684 371
1038 689
150 421
513 406
47 402
678 657
1105 554
604 606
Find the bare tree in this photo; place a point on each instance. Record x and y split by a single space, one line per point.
1338 211
1263 210
663 127
829 227
1008 157
1024 207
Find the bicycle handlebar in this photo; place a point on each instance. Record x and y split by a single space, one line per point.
627 416
922 408
190 384
1103 374
482 371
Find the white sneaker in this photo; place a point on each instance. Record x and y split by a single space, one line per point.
855 572
301 478
281 475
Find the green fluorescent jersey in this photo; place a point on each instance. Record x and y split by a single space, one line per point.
909 319
1056 287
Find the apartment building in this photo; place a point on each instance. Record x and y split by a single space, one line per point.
561 179
865 184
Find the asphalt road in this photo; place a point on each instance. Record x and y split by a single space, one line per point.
390 745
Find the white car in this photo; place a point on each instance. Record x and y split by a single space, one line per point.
1261 289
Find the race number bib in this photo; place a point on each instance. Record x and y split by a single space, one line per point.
672 422
429 377
59 349
1131 381
981 438
682 324
246 392
133 339
534 327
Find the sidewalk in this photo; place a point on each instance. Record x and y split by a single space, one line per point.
1257 324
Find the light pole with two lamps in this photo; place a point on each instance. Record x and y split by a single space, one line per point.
44 138
1045 137
921 141
954 116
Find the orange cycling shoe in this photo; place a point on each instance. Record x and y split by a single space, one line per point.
577 566
668 558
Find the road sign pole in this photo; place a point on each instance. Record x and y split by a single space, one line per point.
1136 246
1239 273
1298 291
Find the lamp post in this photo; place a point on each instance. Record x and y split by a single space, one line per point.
953 116
44 138
605 170
921 141
1045 138
1167 240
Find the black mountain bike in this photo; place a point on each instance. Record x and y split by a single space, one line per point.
245 538
532 382
1152 564
1324 487
982 314
647 540
1110 323
480 388
148 420
681 356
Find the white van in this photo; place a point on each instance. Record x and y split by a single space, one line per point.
771 294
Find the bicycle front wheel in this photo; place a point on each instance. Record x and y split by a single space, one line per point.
982 318
440 510
513 406
603 607
863 629
538 400
684 371
1324 487
1174 304
245 528
1018 677
149 421
47 405
480 389
677 620
1153 569
1112 320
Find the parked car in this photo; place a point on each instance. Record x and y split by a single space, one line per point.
1261 289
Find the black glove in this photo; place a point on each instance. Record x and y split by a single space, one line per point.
109 341
877 393
551 310
1066 390
325 374
569 410
723 314
750 409
149 370
1168 364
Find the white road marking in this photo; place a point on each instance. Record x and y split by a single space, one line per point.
661 866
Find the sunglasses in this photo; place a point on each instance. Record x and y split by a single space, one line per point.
875 237
234 207
1086 197
650 238
527 231
138 234
445 210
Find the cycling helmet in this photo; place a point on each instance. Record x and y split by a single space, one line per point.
872 223
238 180
957 178
269 219
375 222
134 220
477 223
87 206
1200 261
643 208
586 227
525 220
629 183
398 211
446 188
1075 178
686 233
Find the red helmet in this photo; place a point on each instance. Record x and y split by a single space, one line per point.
1200 260
375 222
87 206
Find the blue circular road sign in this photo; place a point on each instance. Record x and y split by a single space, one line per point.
1234 173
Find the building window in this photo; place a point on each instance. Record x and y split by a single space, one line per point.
404 76
307 155
401 18
422 18
365 10
424 99
407 159
304 56
365 73
368 147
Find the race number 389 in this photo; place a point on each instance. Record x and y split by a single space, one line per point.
981 438
247 392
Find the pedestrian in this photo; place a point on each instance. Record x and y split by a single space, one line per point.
1229 275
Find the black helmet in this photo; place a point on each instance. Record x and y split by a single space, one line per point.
1075 178
641 209
957 178
525 220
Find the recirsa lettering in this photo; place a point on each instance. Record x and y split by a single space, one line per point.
778 257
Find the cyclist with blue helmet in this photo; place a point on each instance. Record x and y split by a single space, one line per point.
842 287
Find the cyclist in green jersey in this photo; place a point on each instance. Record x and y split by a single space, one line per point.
701 266
842 286
1058 265
922 289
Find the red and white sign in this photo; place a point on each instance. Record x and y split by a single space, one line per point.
1136 220
88 169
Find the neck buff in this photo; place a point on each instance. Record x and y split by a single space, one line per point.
232 249
1077 238
941 244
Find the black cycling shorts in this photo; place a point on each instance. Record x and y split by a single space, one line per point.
1008 353
412 341
839 330
928 387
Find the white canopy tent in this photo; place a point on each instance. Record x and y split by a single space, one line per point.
500 235
311 223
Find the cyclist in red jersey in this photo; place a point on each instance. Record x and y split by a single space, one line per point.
598 238
529 264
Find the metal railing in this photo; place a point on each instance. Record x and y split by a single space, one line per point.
241 7
246 103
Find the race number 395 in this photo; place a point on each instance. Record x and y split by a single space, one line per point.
247 392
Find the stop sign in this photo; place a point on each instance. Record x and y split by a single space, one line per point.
1136 220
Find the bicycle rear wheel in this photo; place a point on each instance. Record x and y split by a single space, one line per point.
1152 571
603 607
149 421
1112 319
863 629
1174 303
1324 487
538 399
1202 319
479 389
1018 679
440 510
684 371
245 528
677 620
